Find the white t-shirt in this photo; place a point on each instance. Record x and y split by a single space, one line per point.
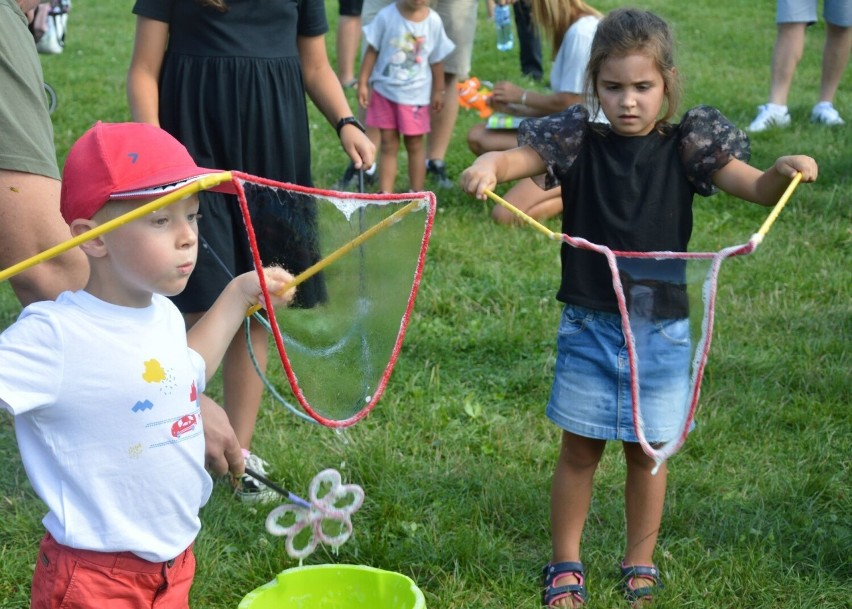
105 400
407 50
568 72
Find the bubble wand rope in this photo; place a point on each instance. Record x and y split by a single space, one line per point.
202 183
343 250
660 455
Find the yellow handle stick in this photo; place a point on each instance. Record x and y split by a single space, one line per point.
767 224
201 184
523 216
341 251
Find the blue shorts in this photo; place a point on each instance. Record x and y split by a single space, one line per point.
835 12
591 396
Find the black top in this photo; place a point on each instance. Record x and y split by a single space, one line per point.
627 193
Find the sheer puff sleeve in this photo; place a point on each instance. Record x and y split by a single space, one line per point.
707 142
557 139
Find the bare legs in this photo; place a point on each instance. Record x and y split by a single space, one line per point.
444 122
571 496
414 146
348 40
526 195
835 58
789 46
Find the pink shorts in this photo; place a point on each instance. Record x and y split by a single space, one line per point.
66 577
382 113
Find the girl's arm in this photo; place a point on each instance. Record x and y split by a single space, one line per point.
326 92
437 97
212 334
143 75
371 55
764 187
494 167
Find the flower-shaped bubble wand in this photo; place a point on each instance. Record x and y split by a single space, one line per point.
331 503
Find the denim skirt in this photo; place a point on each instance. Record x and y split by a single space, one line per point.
591 393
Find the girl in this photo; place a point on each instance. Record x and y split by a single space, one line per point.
402 78
228 79
646 169
571 25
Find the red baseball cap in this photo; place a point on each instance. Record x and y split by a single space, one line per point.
124 161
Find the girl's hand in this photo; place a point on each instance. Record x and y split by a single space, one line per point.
437 102
363 94
791 165
477 178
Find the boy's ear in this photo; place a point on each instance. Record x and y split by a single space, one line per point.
96 248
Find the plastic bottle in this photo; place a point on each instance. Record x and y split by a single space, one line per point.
503 21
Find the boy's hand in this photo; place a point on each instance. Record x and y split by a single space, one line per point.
277 280
791 165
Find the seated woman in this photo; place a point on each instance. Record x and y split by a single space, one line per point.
571 25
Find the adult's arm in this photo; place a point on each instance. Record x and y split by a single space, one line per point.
143 75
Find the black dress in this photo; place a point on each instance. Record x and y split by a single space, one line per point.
231 91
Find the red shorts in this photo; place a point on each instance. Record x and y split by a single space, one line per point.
76 579
382 113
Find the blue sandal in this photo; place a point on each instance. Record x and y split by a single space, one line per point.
636 596
553 593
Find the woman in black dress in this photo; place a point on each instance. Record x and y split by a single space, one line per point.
228 79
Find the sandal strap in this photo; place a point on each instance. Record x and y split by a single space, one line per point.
552 572
631 572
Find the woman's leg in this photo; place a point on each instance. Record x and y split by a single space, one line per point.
480 139
527 196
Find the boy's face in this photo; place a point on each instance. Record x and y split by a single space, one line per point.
153 254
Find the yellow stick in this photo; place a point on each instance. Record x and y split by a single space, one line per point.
200 184
342 251
767 224
523 216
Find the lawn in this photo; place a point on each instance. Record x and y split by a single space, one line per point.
456 459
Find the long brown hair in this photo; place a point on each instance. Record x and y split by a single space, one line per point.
554 17
628 31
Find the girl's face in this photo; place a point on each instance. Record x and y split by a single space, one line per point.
631 91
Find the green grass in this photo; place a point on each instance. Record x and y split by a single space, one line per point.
456 459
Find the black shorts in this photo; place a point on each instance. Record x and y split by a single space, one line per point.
350 8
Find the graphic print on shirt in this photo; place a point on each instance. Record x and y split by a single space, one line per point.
403 64
179 424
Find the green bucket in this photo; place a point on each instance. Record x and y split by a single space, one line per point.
336 587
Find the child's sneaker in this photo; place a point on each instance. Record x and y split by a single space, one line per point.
825 114
249 490
438 170
769 115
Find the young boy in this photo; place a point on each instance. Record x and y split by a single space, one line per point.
103 383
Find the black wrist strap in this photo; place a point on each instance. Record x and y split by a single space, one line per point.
349 120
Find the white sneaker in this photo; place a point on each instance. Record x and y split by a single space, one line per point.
249 490
769 115
825 114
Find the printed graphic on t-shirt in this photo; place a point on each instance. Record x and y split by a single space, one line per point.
405 62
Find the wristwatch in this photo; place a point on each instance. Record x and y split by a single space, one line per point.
349 120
